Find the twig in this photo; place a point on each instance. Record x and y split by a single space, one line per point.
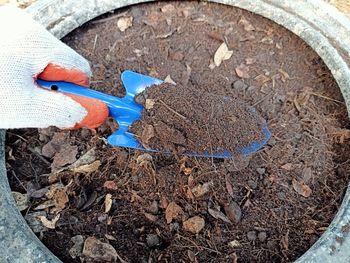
264 98
109 18
19 181
325 97
120 259
173 111
19 136
94 46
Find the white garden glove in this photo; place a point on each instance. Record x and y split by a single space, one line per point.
28 51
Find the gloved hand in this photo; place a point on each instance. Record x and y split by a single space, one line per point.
27 52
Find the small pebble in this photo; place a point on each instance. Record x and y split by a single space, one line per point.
178 56
252 184
251 89
239 85
102 218
261 170
271 244
174 226
251 235
85 133
154 207
262 236
281 195
152 240
233 212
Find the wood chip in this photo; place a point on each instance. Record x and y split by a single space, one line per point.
169 80
149 104
110 185
87 168
194 224
172 211
108 203
301 188
124 23
201 189
242 71
246 24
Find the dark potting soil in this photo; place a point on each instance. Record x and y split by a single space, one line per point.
150 207
185 120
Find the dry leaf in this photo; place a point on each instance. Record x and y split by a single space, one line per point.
147 134
87 168
189 194
58 194
169 80
201 189
284 75
307 174
183 168
110 185
341 135
77 248
250 61
46 204
285 241
144 159
164 202
262 79
267 40
51 224
110 237
34 221
212 65
168 9
172 211
246 24
233 211
234 257
108 203
21 200
301 188
150 217
149 104
229 187
218 215
302 98
221 54
242 71
61 198
67 155
124 23
194 224
287 166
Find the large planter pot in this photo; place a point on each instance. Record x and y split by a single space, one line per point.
324 28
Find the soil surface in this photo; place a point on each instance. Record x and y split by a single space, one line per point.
90 201
202 123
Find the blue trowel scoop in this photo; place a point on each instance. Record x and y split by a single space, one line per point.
126 111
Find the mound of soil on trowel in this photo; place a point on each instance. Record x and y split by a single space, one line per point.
89 200
186 120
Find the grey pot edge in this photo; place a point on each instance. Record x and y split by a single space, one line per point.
318 23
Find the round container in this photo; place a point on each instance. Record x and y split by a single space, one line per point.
320 25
